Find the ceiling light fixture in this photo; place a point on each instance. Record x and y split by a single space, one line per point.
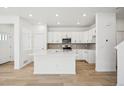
78 23
84 15
30 15
58 23
39 23
57 15
6 7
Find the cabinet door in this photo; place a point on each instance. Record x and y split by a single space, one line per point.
77 35
69 34
94 35
91 56
94 31
90 36
57 37
85 54
73 37
81 37
64 34
85 35
50 37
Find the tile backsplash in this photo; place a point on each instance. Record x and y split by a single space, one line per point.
74 46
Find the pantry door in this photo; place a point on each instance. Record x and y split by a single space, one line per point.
6 43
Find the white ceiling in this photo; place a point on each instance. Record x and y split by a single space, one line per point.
67 16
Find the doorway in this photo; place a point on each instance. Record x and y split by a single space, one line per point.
6 43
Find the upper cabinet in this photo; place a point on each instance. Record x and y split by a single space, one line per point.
76 37
54 37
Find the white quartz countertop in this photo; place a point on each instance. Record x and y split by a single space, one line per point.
53 52
57 52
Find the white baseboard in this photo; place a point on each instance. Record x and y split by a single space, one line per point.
105 69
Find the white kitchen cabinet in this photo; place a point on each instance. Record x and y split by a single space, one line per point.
77 37
54 37
81 37
94 31
92 35
74 37
64 34
91 56
81 54
85 35
87 55
69 35
50 37
57 37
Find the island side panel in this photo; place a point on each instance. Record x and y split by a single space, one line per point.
54 64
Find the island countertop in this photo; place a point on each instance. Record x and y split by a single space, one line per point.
56 51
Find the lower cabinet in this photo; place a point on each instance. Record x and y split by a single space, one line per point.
88 55
81 55
91 56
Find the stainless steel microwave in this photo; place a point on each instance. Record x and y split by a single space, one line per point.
66 40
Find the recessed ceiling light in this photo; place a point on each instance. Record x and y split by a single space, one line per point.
84 15
30 15
58 23
6 7
39 23
57 15
78 23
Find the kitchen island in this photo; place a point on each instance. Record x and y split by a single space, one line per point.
54 62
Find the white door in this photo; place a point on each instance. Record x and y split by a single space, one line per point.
6 43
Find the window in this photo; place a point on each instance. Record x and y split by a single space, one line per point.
3 37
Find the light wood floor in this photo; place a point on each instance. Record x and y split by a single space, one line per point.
86 75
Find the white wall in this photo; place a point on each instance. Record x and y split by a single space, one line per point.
120 63
120 30
21 49
26 29
40 37
14 20
105 51
120 24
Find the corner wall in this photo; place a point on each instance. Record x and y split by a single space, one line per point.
105 42
26 30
